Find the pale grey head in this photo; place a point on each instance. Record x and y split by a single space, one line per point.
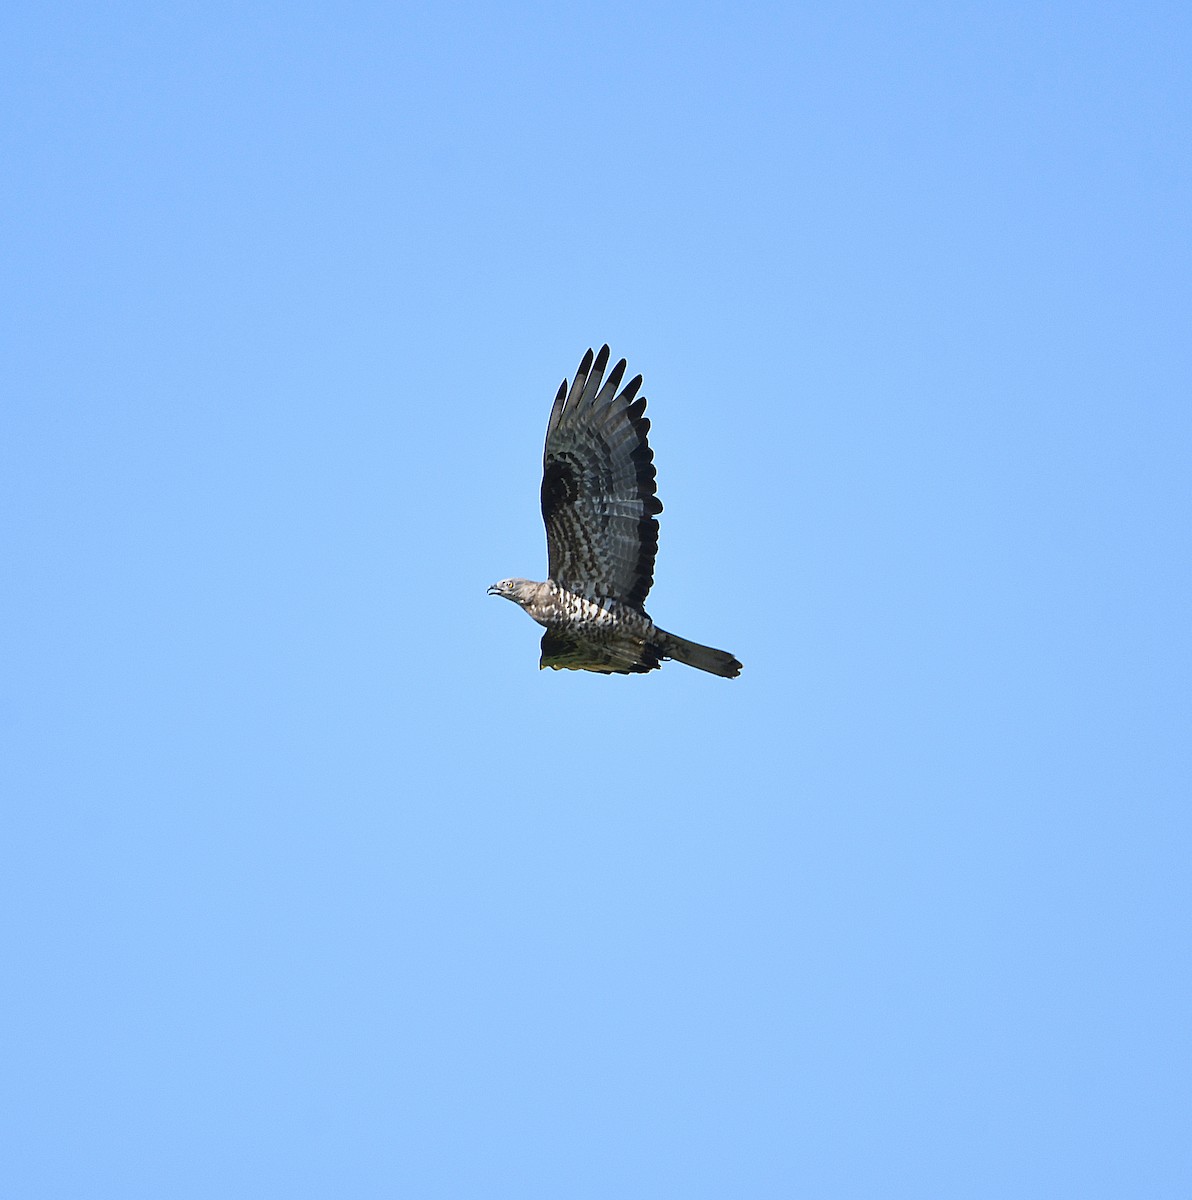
520 591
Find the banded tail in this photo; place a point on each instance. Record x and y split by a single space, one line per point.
704 658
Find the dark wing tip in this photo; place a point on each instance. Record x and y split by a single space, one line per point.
581 374
614 380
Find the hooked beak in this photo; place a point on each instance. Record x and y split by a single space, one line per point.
494 590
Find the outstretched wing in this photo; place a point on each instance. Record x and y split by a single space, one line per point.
598 487
563 650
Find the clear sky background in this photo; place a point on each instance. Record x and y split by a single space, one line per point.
313 885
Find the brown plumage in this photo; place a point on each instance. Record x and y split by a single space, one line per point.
599 506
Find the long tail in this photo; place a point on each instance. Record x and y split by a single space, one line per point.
716 662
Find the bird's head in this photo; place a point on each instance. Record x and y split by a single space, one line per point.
520 591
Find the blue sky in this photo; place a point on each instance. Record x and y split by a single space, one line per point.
313 885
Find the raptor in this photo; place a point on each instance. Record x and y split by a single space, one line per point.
600 506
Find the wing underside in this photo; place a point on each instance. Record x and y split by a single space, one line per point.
622 656
598 486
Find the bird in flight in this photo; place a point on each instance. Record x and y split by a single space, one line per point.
599 505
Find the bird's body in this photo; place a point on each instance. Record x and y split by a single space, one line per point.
599 507
551 604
